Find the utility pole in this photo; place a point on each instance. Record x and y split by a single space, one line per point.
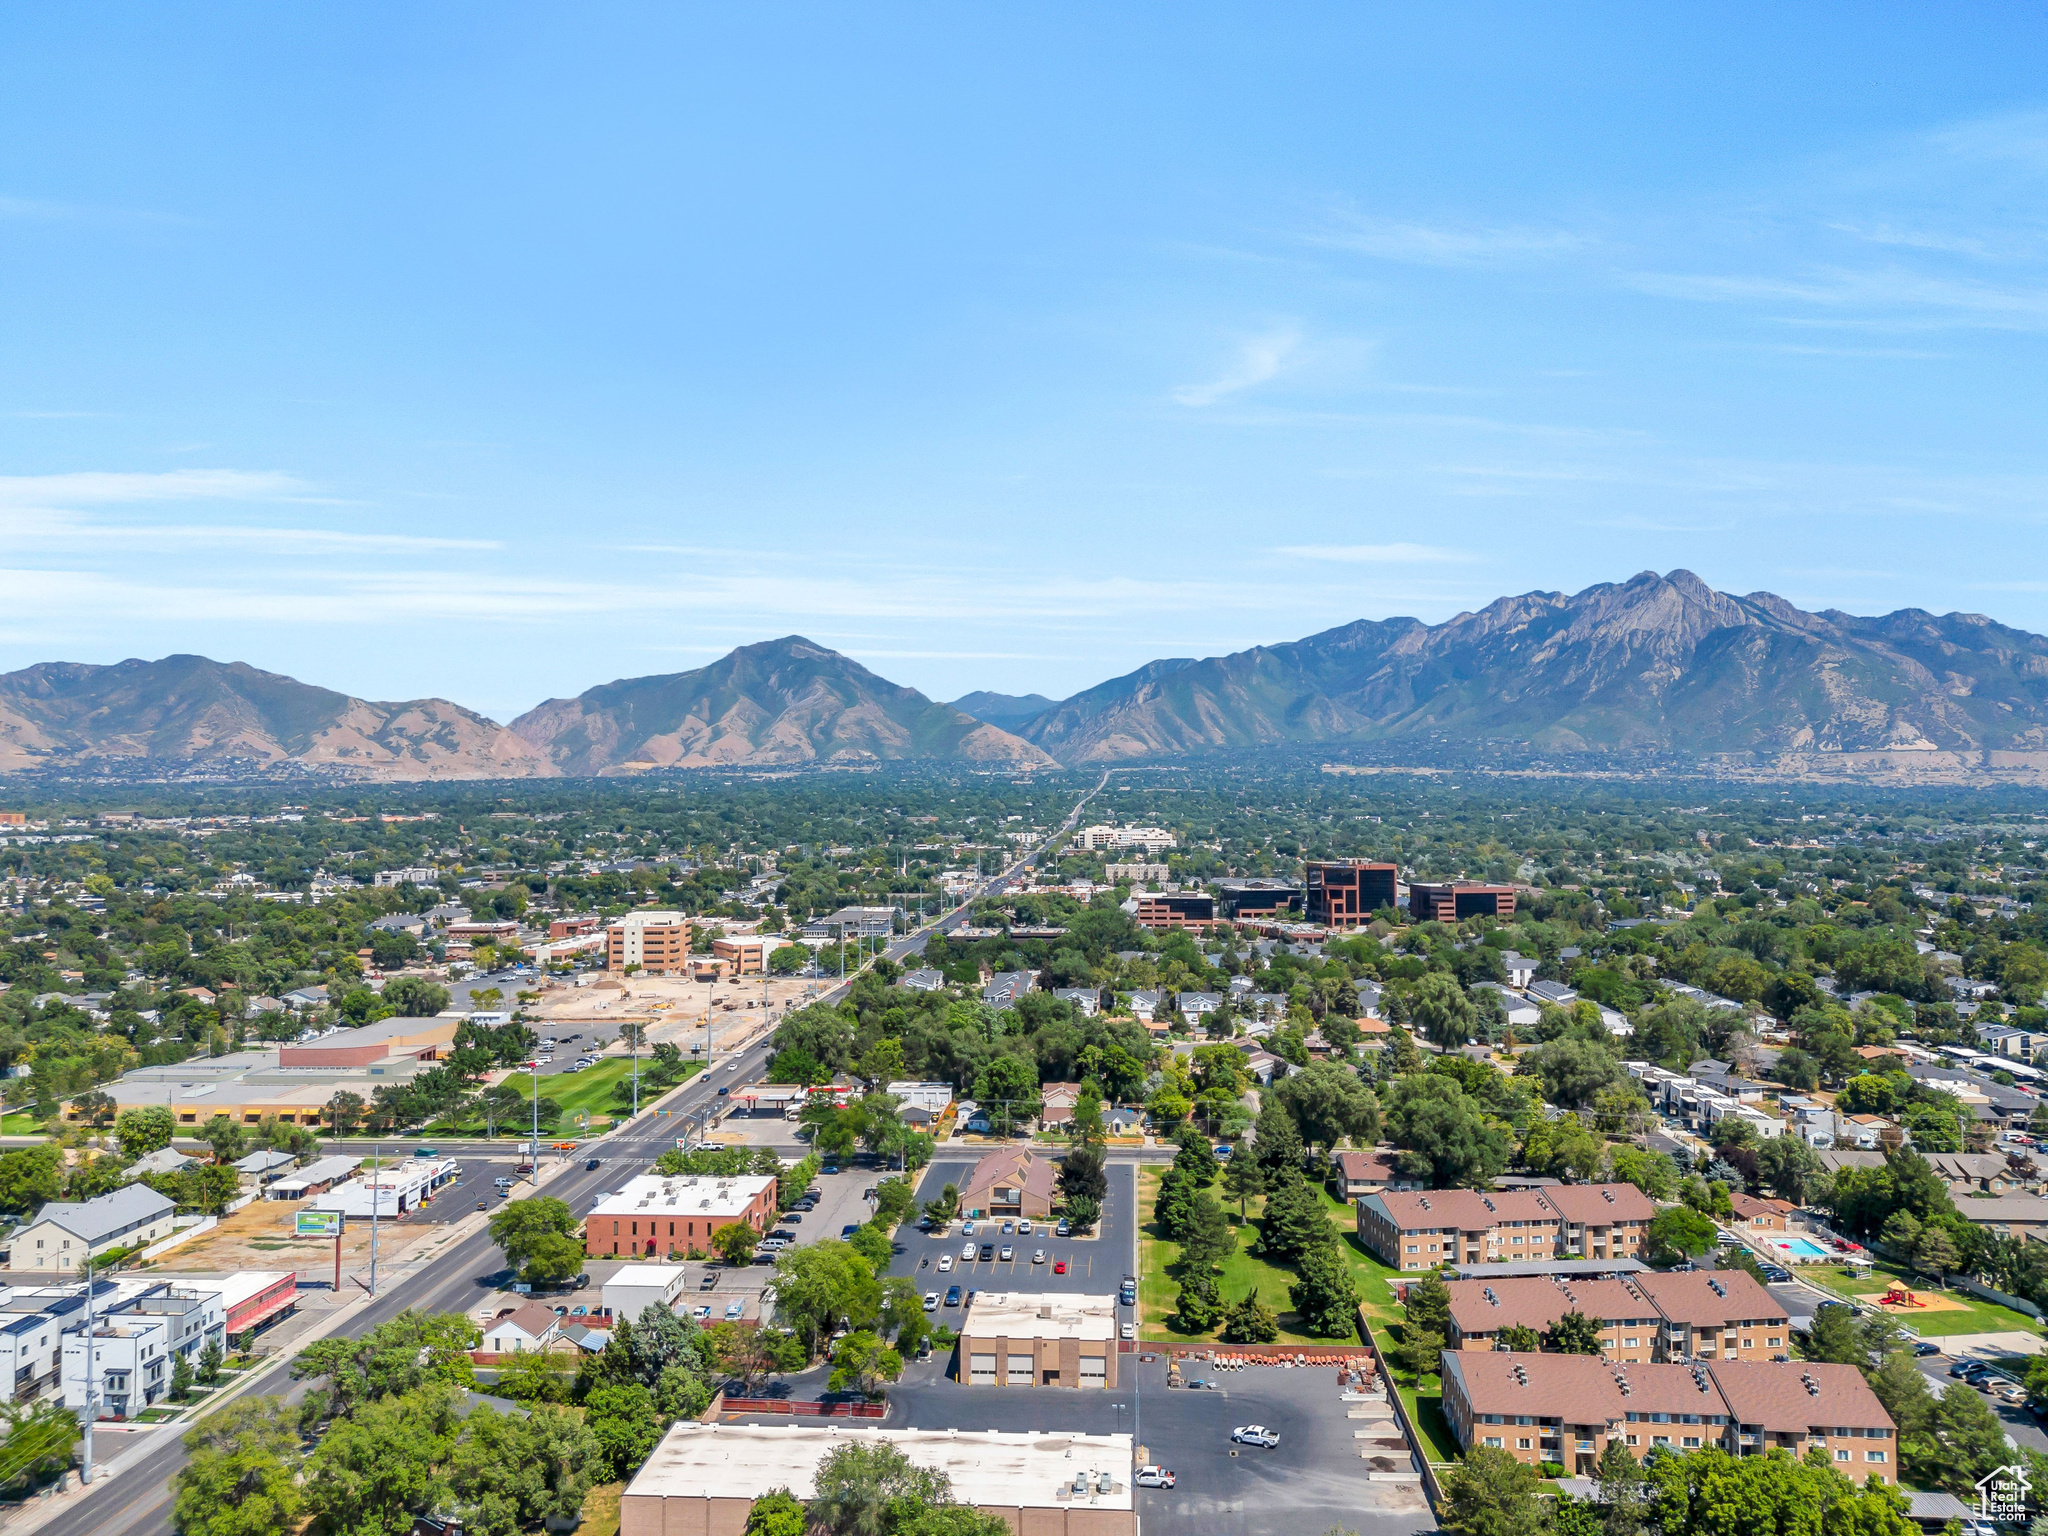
92 1374
534 1146
376 1199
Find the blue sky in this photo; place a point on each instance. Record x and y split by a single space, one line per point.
492 352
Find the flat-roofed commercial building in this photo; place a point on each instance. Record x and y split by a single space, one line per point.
703 1478
1162 910
419 1039
1453 901
1565 1408
1345 895
657 942
1424 1228
1258 898
656 1213
1043 1339
745 954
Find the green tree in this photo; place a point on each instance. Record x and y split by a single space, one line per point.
1329 1102
1324 1295
379 1466
1835 1338
534 1235
1207 1238
1446 1136
1441 1012
626 1423
1679 1231
736 1242
181 1378
778 1512
1250 1322
871 1490
1520 1338
1196 1158
1490 1493
1199 1305
30 1178
1574 1334
414 997
1084 1171
822 1287
224 1137
1007 1089
1293 1222
240 1476
1276 1139
509 1473
1935 1252
534 1376
411 1351
861 1362
1429 1304
142 1130
1244 1180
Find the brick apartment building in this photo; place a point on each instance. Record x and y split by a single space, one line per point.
1718 1315
1565 1408
657 942
1454 900
1345 895
1424 1228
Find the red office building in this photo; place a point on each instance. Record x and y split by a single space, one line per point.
1453 900
1346 895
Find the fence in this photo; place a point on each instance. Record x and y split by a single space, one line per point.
1409 1428
1349 1354
803 1408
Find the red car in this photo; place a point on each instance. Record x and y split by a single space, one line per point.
1059 1266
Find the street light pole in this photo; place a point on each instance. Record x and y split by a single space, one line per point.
376 1199
92 1375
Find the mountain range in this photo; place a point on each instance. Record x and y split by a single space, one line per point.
1657 666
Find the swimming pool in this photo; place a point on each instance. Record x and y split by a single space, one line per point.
1799 1248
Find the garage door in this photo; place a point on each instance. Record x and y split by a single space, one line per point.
1094 1371
981 1370
1020 1370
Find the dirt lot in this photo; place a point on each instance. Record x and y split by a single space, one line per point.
259 1236
674 1009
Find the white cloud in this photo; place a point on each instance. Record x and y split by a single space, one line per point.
1260 360
102 488
1435 246
1376 554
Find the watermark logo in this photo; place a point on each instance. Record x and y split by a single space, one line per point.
2002 1495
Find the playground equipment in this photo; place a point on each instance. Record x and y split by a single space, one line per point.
1899 1296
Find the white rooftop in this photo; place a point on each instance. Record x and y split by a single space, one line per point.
988 1467
1040 1315
684 1194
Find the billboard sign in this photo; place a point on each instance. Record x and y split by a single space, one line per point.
317 1224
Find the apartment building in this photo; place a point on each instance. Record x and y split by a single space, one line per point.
1481 1309
1452 901
1422 1229
1565 1408
1720 1314
1346 894
1151 839
657 942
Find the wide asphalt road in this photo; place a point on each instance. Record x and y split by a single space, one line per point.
139 1501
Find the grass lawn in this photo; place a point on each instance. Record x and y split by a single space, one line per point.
1158 1291
1975 1316
586 1092
601 1510
20 1122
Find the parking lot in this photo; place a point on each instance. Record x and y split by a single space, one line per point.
1313 1481
1095 1265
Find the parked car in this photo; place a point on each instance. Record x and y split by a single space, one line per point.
1129 1331
988 1251
1038 1256
931 1301
1153 1477
1255 1434
1009 1253
1009 1227
1059 1266
952 1295
967 1253
967 1229
945 1262
733 1311
1024 1228
1925 1348
704 1313
1063 1230
709 1282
